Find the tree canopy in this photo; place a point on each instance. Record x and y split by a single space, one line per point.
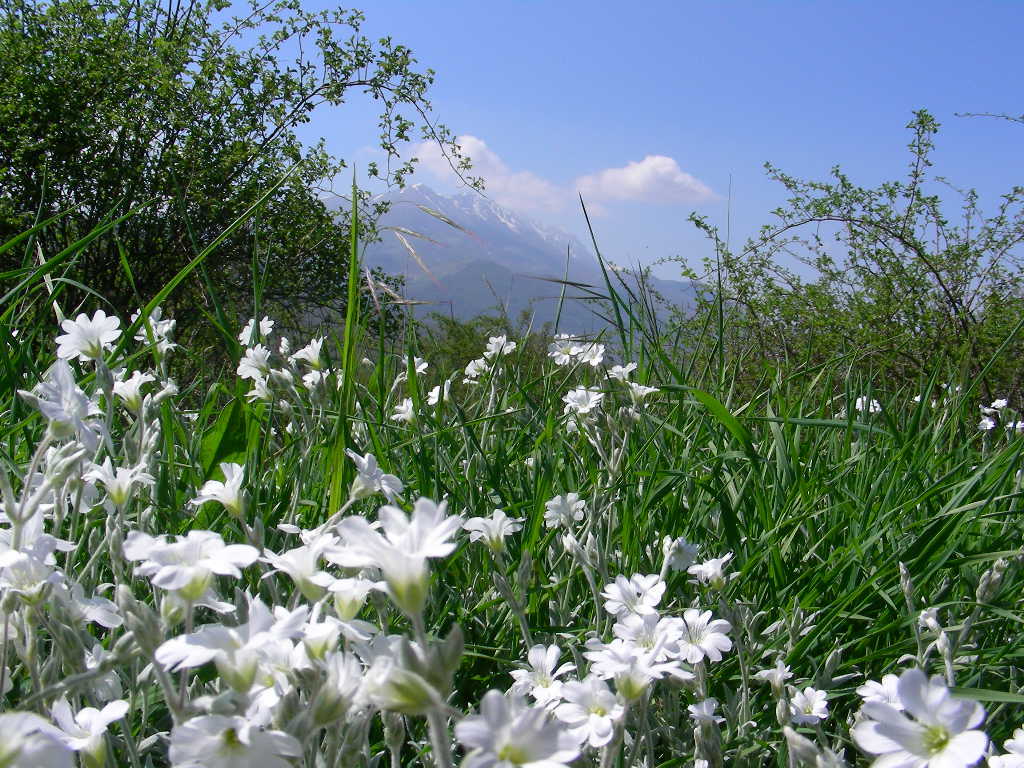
192 111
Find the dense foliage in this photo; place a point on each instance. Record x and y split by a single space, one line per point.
896 278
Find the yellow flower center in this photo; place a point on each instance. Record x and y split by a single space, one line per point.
935 739
513 754
230 739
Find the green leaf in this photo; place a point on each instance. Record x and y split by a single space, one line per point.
982 694
730 422
226 442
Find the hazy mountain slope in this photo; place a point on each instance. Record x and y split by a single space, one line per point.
495 259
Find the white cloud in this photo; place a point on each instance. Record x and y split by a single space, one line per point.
655 179
518 190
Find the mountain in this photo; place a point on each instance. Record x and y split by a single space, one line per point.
482 256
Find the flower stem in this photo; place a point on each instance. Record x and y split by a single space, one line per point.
436 725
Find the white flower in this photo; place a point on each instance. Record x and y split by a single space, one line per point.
350 595
65 407
228 493
1014 757
651 631
313 379
703 637
104 686
162 329
986 424
340 689
563 349
259 391
621 372
246 654
119 483
540 680
475 367
710 571
218 741
592 354
590 710
246 336
310 354
29 573
187 564
808 707
704 711
638 391
435 396
997 405
83 732
404 412
493 530
638 594
633 668
256 363
281 377
776 676
680 553
498 346
564 510
885 692
940 731
371 478
582 400
419 365
86 609
402 552
507 734
85 338
865 405
28 741
130 390
302 566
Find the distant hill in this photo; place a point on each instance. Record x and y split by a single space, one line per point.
494 258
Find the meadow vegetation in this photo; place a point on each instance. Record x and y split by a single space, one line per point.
784 529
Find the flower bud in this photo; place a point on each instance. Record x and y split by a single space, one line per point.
104 378
991 580
140 620
392 688
394 732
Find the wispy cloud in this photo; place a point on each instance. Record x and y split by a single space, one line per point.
655 179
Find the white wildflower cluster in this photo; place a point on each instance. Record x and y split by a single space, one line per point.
1000 412
283 377
566 350
497 348
595 408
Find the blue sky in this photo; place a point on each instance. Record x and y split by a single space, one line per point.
559 96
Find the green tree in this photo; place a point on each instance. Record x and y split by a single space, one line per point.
109 104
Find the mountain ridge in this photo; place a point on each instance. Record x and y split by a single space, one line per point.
483 258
